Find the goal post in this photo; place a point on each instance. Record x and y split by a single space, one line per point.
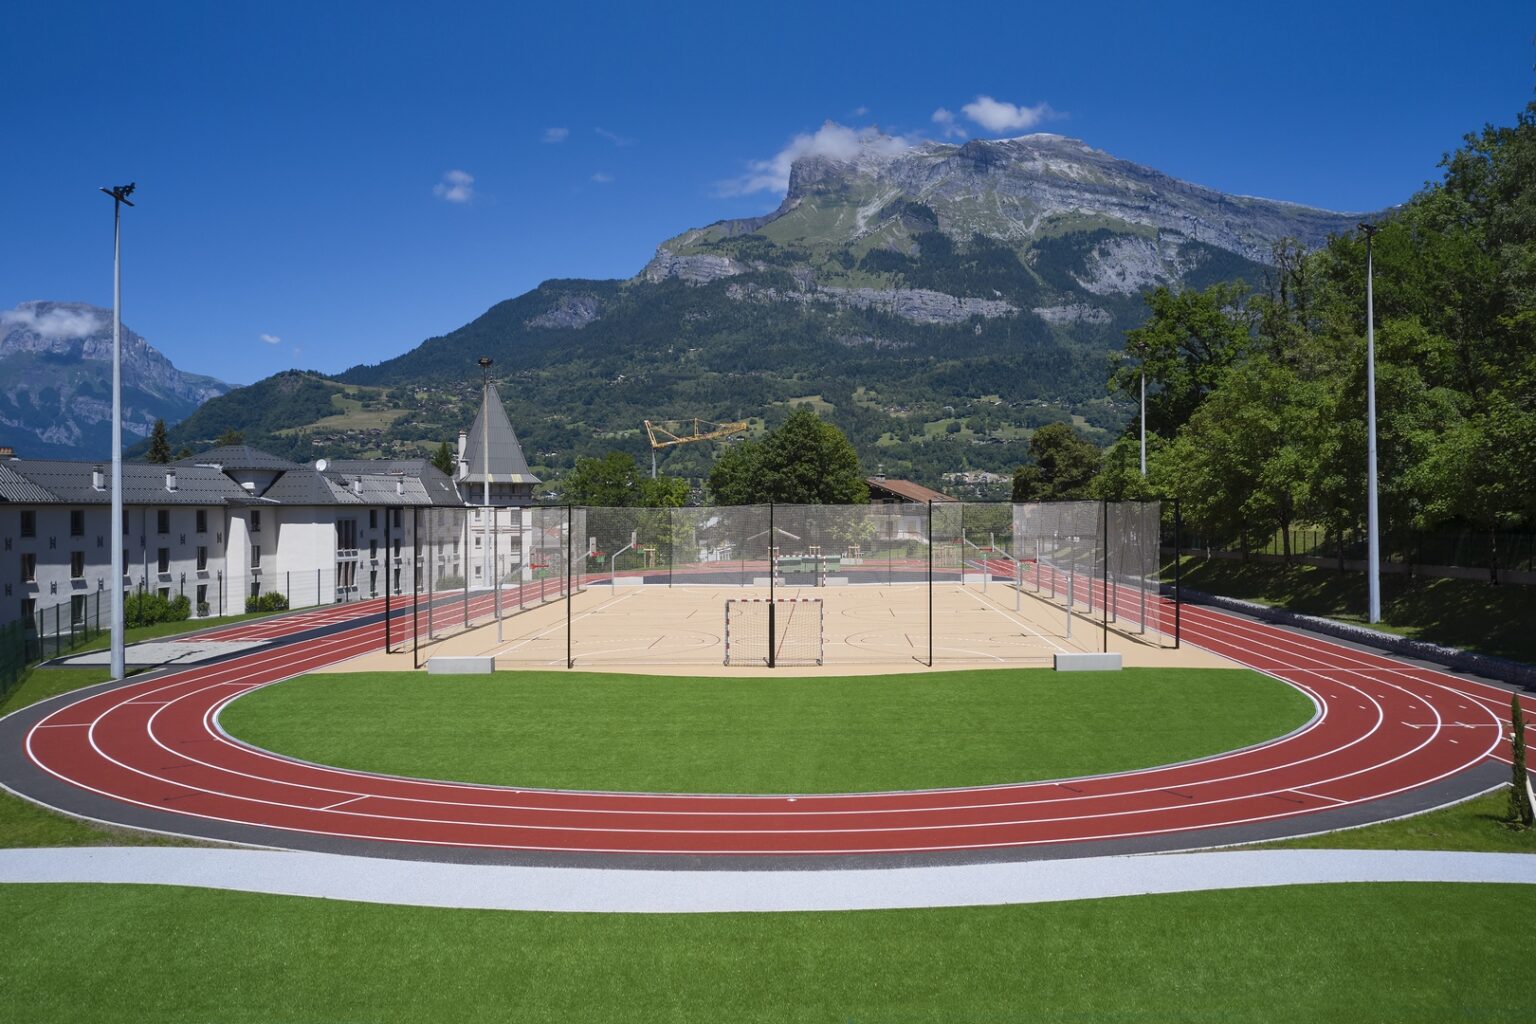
774 631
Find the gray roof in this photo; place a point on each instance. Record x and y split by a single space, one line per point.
304 485
69 483
308 486
507 465
238 456
15 487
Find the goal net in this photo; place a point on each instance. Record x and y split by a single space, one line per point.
784 631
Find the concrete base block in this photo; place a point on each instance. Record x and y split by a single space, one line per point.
974 579
461 666
836 581
628 581
1088 662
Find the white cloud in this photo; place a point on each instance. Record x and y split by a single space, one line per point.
556 134
860 111
53 324
271 339
832 140
603 178
456 187
945 119
614 137
998 116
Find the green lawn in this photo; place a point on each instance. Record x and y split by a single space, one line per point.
1410 953
788 735
1476 826
1469 614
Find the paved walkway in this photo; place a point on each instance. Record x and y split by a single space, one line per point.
422 884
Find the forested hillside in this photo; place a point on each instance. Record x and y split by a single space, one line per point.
1258 399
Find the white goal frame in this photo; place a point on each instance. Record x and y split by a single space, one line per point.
787 621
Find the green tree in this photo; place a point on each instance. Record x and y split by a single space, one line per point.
159 447
806 461
615 480
443 459
1063 467
230 437
1190 338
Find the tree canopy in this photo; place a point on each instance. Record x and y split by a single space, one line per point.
615 481
1063 466
1258 401
805 461
159 446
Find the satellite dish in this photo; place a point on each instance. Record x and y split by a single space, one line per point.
320 465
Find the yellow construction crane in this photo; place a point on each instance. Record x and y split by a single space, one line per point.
703 430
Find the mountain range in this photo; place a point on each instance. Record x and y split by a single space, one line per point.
937 302
56 382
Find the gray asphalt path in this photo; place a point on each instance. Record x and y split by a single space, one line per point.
587 890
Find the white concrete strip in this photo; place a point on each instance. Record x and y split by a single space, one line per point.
586 890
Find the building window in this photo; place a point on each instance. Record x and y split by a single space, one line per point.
256 556
77 565
202 599
397 518
77 522
255 520
163 520
255 588
29 568
165 593
202 520
165 560
373 549
125 522
28 608
373 519
397 547
202 559
28 523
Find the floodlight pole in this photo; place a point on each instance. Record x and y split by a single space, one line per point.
1143 412
1372 522
119 194
485 461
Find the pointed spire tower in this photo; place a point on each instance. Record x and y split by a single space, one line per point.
492 469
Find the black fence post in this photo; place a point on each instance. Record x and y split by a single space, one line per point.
1178 574
416 587
772 571
570 529
930 581
1105 503
388 582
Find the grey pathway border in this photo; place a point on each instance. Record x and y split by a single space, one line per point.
578 890
1516 673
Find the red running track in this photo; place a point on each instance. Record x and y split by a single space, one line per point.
1383 727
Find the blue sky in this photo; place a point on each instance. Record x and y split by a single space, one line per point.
352 179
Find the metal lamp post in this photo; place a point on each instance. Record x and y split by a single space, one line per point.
1372 524
1142 350
119 194
485 460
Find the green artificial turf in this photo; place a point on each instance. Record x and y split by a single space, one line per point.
790 735
1477 826
1469 614
1360 953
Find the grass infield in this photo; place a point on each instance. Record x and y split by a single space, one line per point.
602 731
1407 953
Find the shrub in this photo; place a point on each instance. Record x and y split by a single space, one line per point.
271 601
146 609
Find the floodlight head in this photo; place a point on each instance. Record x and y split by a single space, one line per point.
121 192
1369 229
485 362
